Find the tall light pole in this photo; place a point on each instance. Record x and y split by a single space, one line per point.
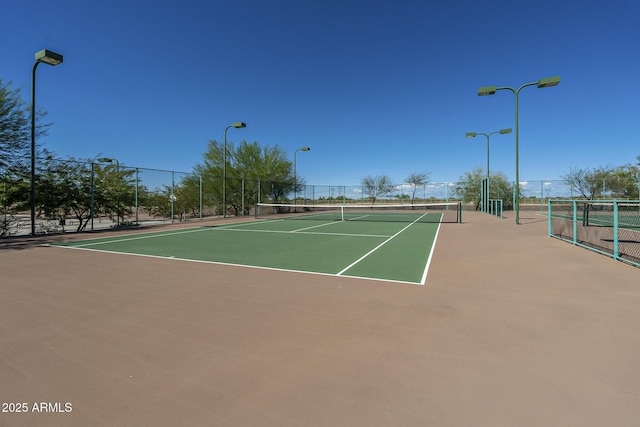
53 59
111 160
491 90
295 175
473 135
224 167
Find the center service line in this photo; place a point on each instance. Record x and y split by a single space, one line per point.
379 246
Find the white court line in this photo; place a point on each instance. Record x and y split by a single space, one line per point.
172 258
229 228
433 247
379 246
358 217
146 236
307 232
150 235
309 228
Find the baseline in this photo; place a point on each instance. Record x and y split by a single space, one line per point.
258 267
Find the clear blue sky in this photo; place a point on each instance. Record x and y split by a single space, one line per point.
373 87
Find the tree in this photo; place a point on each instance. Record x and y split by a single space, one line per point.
623 182
65 189
377 186
188 196
15 138
416 180
469 188
15 126
589 183
258 164
118 186
57 189
247 165
14 191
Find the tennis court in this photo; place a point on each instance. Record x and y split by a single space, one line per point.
390 243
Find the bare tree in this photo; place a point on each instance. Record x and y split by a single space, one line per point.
377 186
587 182
416 180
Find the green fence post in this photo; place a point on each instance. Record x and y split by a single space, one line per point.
93 185
575 221
616 232
137 184
549 217
173 193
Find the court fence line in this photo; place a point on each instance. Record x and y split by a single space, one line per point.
609 227
73 195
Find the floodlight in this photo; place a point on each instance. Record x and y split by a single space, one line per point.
549 81
48 57
487 90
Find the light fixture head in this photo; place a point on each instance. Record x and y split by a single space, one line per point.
487 90
549 81
239 125
306 148
48 57
503 131
471 135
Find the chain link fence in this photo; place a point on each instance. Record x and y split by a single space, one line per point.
84 196
610 227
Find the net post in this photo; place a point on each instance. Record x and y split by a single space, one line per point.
342 213
460 212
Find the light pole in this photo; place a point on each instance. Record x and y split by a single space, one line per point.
93 187
52 59
111 160
295 175
224 167
473 135
491 90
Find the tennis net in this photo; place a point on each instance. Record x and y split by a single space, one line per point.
427 212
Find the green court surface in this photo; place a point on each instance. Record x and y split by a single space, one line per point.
389 251
625 220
